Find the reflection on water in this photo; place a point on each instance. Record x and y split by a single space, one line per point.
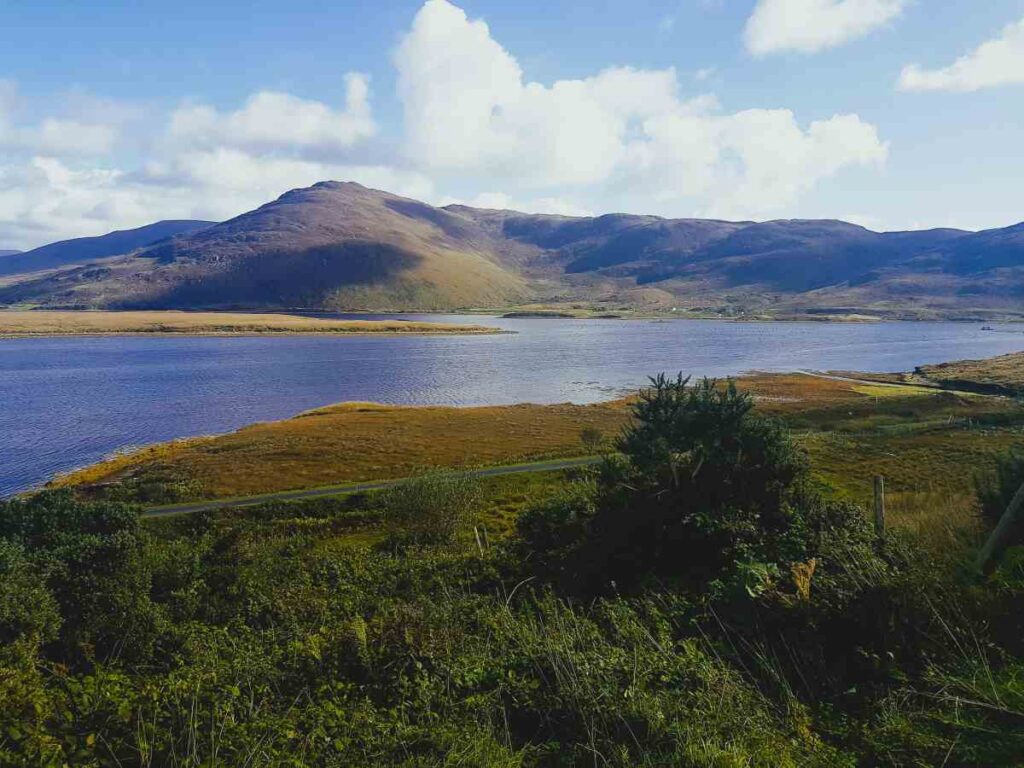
66 402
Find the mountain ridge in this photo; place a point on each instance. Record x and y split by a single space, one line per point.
66 253
339 245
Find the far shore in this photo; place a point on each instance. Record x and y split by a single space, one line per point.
33 323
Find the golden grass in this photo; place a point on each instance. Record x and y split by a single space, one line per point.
57 323
1005 372
351 442
893 390
927 443
363 441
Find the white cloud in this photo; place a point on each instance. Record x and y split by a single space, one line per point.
623 134
501 201
622 139
71 137
999 61
45 199
808 26
271 119
203 164
52 136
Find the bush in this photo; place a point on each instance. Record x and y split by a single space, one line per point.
996 490
89 556
552 531
433 508
703 484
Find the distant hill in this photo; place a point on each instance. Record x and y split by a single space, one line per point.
83 250
343 246
331 245
8 253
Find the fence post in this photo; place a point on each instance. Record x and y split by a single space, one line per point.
880 506
997 539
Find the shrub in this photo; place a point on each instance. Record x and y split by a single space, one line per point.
704 483
552 531
90 558
996 490
432 508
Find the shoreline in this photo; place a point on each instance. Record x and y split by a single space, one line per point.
51 323
762 384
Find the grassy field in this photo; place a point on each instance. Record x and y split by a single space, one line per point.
357 441
1003 374
55 323
929 444
343 631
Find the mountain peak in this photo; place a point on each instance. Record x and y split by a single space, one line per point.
341 245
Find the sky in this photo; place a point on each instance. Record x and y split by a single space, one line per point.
894 114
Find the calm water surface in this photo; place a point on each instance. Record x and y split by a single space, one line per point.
67 402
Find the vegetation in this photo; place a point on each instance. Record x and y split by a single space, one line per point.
701 599
432 508
922 439
347 443
51 323
1002 375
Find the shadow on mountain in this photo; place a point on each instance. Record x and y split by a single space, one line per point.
287 279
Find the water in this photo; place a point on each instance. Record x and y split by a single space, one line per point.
68 402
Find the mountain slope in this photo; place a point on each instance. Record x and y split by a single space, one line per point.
331 245
8 253
86 249
342 246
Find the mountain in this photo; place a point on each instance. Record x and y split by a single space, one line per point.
8 253
331 245
87 249
343 246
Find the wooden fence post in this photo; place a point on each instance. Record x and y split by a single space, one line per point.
997 539
880 506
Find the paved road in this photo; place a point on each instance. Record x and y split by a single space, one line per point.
339 490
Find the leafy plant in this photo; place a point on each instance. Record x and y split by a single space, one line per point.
434 507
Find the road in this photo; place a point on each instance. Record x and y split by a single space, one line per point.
340 490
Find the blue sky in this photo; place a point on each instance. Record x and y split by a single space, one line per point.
116 114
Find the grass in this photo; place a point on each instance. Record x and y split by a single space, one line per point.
928 443
1003 374
55 323
359 441
314 633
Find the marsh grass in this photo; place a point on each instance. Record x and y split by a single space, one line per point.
65 323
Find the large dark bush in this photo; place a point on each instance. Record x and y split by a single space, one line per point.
703 486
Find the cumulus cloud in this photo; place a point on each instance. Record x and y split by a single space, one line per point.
622 139
202 163
469 112
52 136
501 201
809 26
271 119
71 137
999 61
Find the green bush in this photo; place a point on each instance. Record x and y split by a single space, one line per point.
90 558
703 484
434 507
996 490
